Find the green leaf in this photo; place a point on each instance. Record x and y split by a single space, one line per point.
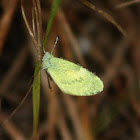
54 8
36 98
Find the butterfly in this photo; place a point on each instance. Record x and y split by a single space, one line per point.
71 78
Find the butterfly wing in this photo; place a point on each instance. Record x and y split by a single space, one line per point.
73 79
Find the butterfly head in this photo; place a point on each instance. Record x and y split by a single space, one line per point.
46 60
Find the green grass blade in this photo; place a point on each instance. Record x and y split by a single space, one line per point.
54 8
36 99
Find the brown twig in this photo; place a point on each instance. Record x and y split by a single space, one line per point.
128 3
71 37
6 20
15 69
13 132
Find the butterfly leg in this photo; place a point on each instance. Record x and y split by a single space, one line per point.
48 78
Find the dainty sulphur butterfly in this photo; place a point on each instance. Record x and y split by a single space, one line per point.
71 78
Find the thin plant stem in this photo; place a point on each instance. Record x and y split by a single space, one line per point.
27 25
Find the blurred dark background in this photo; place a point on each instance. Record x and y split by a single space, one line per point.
88 39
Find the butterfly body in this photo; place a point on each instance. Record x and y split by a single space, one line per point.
71 78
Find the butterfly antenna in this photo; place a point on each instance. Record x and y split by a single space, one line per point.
55 44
